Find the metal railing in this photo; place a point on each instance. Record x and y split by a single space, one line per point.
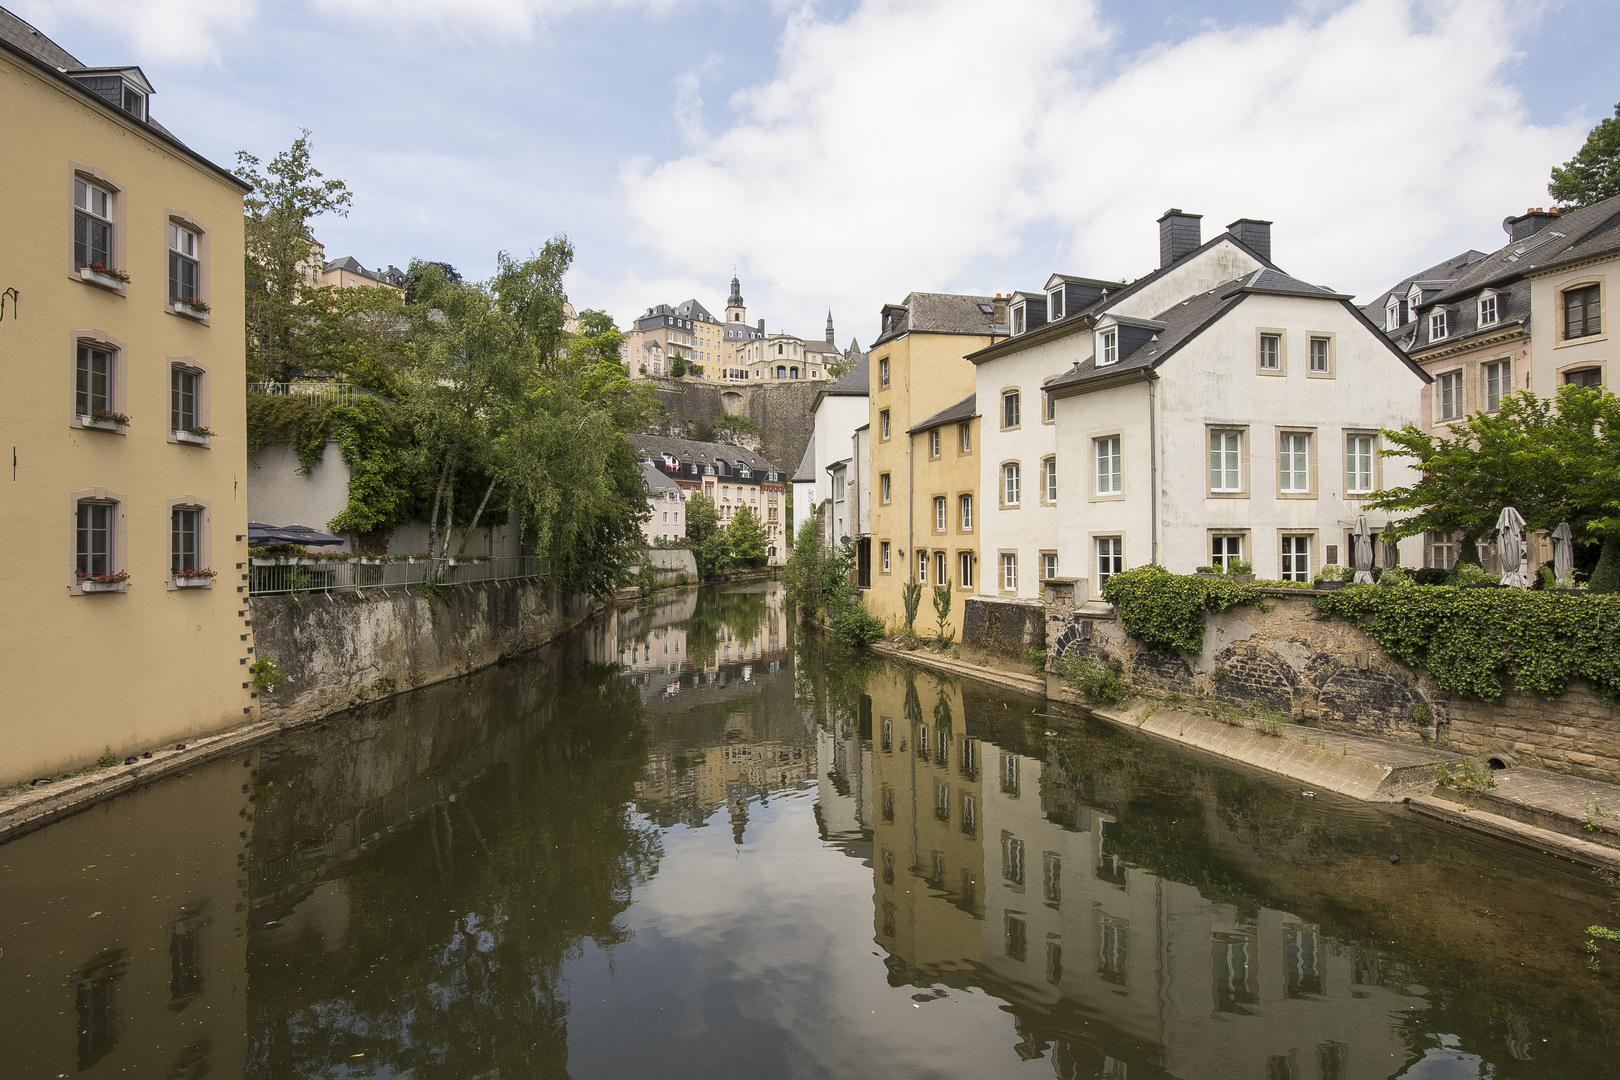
292 574
338 393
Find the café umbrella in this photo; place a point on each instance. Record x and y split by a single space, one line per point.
1563 542
1363 551
1509 548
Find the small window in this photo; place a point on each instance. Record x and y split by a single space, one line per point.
1049 478
1010 482
1591 377
1321 356
884 487
1296 558
933 443
1225 461
1487 310
883 372
1017 319
183 264
184 385
964 433
1009 409
884 550
1108 350
1294 463
1109 480
940 578
1583 312
883 423
1054 305
1048 565
1498 383
185 539
93 380
1392 314
93 544
922 567
1110 558
1442 550
1051 407
1009 571
1270 352
1437 326
940 514
1450 388
966 502
1225 552
92 225
1359 455
134 102
964 569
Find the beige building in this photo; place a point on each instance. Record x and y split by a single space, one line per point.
663 333
122 279
347 273
917 370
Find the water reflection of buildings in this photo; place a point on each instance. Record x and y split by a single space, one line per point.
991 868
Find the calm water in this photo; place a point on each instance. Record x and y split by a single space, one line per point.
696 842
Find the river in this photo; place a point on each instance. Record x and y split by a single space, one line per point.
695 840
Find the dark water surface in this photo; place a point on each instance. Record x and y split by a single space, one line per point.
696 842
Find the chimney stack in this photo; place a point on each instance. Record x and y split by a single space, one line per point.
1534 220
1253 234
1179 233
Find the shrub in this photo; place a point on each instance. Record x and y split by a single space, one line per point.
854 625
1166 611
1472 574
1099 683
1430 575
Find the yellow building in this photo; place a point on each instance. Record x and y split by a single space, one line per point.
921 390
123 396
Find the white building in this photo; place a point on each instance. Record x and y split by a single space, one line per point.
1214 411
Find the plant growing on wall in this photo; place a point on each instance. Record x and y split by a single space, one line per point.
1166 611
911 597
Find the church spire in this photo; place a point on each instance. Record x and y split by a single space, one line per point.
829 327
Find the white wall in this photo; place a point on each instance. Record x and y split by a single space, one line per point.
277 495
836 418
1033 526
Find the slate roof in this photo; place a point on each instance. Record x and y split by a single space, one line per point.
1182 323
1274 282
1449 270
692 309
965 409
806 473
944 313
690 450
655 479
855 383
1575 235
35 44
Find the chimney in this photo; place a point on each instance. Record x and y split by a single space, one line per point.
1253 234
1179 233
1534 220
762 328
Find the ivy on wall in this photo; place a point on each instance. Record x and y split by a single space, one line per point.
1166 611
1471 640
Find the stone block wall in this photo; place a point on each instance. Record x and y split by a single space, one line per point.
1004 627
1327 673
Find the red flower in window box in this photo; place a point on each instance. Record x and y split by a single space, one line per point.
105 271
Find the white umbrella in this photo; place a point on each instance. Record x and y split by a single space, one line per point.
1364 551
1563 542
1509 548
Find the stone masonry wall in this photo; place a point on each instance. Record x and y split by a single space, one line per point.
1005 627
782 411
1328 673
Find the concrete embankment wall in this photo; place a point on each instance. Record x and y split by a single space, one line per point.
1335 677
667 562
340 650
1003 627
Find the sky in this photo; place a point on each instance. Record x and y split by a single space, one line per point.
840 154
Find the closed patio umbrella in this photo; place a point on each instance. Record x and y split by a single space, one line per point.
1392 551
1510 548
1364 551
1563 542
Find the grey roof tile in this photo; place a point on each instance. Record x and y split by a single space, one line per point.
689 450
965 409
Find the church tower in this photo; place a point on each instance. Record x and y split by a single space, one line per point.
735 311
829 327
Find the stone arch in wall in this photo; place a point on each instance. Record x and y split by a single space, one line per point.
1254 674
731 403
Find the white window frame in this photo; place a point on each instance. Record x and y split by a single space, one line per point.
1011 484
965 505
1226 445
1110 476
1294 462
1360 463
1017 319
1054 304
1449 395
1049 565
964 568
1107 347
1225 557
1009 571
85 202
1275 357
885 488
941 514
883 372
1498 378
1438 330
886 552
1296 557
883 424
1012 410
933 443
1319 347
922 567
1490 309
1049 478
965 440
1109 552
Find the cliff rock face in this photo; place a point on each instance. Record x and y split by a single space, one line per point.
781 410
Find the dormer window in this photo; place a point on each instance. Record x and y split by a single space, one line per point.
1017 319
1054 304
1437 325
1107 348
123 88
134 102
1392 314
1488 310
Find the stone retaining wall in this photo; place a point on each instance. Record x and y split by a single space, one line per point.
1004 627
1328 673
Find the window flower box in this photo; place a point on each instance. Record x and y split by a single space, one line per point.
190 307
104 420
267 560
197 436
92 583
103 276
199 578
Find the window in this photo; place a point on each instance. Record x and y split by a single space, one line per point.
1009 476
922 567
93 381
1017 319
1270 352
1051 407
1582 312
1487 310
941 577
1451 395
964 433
1437 325
883 372
1442 550
1225 552
1012 859
1294 463
1498 383
1589 377
1009 409
1048 565
1009 774
884 487
1358 464
182 263
184 384
964 569
1113 950
185 539
1110 558
93 545
1321 356
1296 558
933 443
966 502
1054 305
1009 571
1392 314
92 225
1017 935
939 513
884 549
1108 348
1225 450
1049 478
970 825
1108 465
883 423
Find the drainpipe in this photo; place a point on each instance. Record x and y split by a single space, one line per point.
1153 458
911 500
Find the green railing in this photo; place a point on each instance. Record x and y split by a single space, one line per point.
303 574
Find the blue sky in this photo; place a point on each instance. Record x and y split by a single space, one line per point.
841 154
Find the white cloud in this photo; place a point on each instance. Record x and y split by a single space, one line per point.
168 31
475 18
922 146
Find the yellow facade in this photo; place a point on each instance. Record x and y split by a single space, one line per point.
926 374
150 661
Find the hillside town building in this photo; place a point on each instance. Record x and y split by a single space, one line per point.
729 475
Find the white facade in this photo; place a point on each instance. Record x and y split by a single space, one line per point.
1027 529
837 416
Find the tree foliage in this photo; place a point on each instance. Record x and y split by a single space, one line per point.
818 582
746 537
1593 174
1165 611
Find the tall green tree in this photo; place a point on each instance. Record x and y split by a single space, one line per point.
1593 174
747 538
702 517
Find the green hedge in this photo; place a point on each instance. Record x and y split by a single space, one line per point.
1469 640
1166 611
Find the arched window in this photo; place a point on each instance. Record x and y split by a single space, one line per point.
793 373
781 372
